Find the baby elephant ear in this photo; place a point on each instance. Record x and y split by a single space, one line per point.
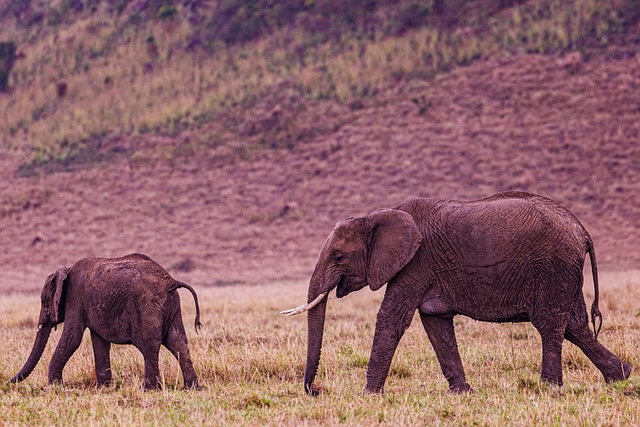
395 240
57 284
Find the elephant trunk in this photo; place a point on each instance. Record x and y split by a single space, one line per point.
315 331
36 352
323 281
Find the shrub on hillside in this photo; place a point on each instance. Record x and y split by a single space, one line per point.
7 59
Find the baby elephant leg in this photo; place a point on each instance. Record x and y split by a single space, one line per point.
176 342
150 350
69 342
101 355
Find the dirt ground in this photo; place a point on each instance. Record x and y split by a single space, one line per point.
252 197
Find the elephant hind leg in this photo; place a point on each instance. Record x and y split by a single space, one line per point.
578 332
176 343
102 357
441 333
150 350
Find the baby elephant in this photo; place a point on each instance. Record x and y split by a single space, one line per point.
128 300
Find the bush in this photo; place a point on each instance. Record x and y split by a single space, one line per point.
7 59
167 12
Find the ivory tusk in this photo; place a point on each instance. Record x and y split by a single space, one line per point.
305 307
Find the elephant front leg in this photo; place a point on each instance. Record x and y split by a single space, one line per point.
102 358
69 342
390 327
441 333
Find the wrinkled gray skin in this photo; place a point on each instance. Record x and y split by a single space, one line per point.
512 257
128 300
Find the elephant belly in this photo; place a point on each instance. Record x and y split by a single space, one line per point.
522 317
113 335
114 339
437 306
495 312
483 300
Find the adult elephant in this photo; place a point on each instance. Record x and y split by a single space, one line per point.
511 257
128 300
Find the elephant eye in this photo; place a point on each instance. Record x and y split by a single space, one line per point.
338 256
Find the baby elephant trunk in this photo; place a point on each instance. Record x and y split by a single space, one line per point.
36 352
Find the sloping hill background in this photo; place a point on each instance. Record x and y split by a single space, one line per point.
238 177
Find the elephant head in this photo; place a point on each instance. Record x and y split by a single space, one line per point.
50 315
359 251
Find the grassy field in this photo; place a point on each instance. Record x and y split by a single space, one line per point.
250 361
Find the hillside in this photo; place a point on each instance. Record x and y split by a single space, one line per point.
247 191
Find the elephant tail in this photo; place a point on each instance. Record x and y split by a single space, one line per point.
197 323
595 311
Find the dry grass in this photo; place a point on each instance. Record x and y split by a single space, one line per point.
250 361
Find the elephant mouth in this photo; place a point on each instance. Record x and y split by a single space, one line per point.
346 286
341 289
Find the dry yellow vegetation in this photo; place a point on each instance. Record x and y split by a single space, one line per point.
250 361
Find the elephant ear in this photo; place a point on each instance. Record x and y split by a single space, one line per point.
56 281
395 240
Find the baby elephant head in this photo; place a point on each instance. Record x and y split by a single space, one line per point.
50 316
50 313
359 251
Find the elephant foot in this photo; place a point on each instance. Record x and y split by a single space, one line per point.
552 381
311 390
152 388
460 388
620 374
193 386
103 379
371 390
104 383
152 385
55 380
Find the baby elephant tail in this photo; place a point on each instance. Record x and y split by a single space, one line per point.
179 284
